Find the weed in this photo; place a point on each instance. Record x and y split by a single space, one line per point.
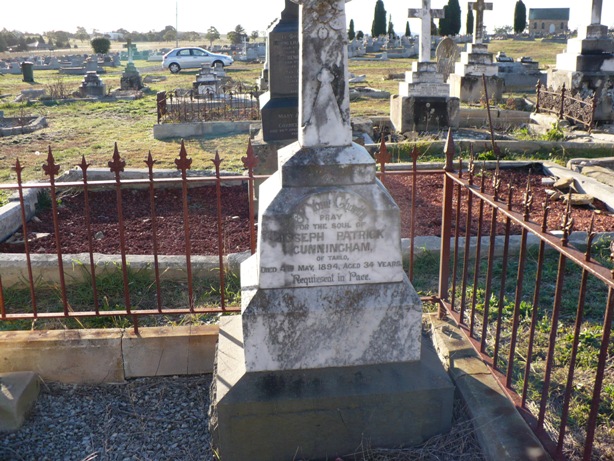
554 134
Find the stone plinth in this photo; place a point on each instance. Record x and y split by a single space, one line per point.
424 101
588 68
466 82
92 85
326 222
323 413
424 80
424 113
131 78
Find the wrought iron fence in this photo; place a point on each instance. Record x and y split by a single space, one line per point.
544 332
96 303
232 101
567 105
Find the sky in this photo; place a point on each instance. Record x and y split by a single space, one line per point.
37 16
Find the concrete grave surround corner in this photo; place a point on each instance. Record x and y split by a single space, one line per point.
18 394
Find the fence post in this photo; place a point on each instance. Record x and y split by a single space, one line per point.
161 104
539 89
446 224
562 109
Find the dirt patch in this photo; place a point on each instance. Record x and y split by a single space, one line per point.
202 210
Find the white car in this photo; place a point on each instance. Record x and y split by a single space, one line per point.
193 58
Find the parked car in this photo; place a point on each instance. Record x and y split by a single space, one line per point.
192 58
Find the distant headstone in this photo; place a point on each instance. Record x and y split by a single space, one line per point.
92 85
426 14
478 24
447 54
279 106
587 67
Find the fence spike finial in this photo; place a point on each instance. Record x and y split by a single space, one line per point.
527 201
183 163
250 161
589 239
567 222
450 151
383 156
217 162
149 161
117 165
50 168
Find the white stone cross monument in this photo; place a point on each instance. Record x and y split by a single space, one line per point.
426 15
478 24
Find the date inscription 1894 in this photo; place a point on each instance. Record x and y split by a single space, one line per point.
332 238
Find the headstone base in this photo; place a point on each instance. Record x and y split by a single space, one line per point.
279 117
470 88
319 414
586 83
424 113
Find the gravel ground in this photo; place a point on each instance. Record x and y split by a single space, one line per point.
144 419
166 419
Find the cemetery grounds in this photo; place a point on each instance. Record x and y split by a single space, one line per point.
92 128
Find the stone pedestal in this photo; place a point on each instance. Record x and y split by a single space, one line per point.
131 78
92 85
323 413
466 82
206 84
588 68
424 101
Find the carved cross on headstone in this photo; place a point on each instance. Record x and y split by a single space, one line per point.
324 97
478 24
426 14
596 12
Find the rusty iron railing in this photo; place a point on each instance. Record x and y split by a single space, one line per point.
100 307
525 336
567 105
513 307
231 102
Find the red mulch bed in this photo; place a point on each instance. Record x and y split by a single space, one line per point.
203 211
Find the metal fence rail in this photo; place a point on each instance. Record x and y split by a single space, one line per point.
567 105
233 102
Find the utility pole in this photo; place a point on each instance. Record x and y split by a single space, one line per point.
176 24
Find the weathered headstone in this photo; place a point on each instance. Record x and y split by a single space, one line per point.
207 83
447 54
131 77
92 85
424 102
466 82
588 64
279 106
326 354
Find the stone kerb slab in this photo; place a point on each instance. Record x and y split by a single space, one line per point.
10 214
188 130
18 394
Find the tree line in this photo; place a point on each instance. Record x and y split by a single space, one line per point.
450 24
15 40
